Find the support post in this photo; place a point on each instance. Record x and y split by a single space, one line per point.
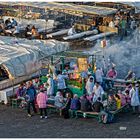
62 60
83 86
92 63
51 60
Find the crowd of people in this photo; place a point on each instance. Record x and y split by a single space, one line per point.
38 94
124 23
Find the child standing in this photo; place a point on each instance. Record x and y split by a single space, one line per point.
41 102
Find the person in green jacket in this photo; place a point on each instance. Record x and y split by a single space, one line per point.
123 24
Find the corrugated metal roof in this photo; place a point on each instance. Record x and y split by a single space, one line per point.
68 7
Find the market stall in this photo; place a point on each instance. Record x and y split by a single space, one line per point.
78 65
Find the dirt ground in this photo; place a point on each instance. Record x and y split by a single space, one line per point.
14 123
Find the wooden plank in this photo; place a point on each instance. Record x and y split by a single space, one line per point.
118 80
92 113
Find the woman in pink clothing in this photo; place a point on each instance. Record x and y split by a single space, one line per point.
41 102
112 73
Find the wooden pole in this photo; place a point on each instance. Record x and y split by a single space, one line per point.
62 60
51 60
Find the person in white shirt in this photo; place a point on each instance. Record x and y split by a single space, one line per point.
111 24
50 85
133 24
134 95
99 75
90 85
16 30
61 84
97 91
71 31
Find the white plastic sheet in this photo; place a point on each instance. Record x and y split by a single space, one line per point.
22 57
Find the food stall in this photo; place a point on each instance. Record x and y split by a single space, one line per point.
80 64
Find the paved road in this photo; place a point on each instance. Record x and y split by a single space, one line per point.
14 123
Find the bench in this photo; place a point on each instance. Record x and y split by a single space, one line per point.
84 114
52 109
119 110
119 86
93 114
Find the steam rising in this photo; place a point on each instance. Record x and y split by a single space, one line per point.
124 54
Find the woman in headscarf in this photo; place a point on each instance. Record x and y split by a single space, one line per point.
50 85
59 100
90 85
134 95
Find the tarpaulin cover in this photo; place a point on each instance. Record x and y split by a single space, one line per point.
21 56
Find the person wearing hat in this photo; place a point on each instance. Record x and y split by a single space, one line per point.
50 85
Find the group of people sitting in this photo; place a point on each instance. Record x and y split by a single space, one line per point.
31 32
94 98
9 26
96 102
35 93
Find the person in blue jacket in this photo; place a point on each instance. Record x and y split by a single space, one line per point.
31 92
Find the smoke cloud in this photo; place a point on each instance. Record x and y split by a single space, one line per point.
124 54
